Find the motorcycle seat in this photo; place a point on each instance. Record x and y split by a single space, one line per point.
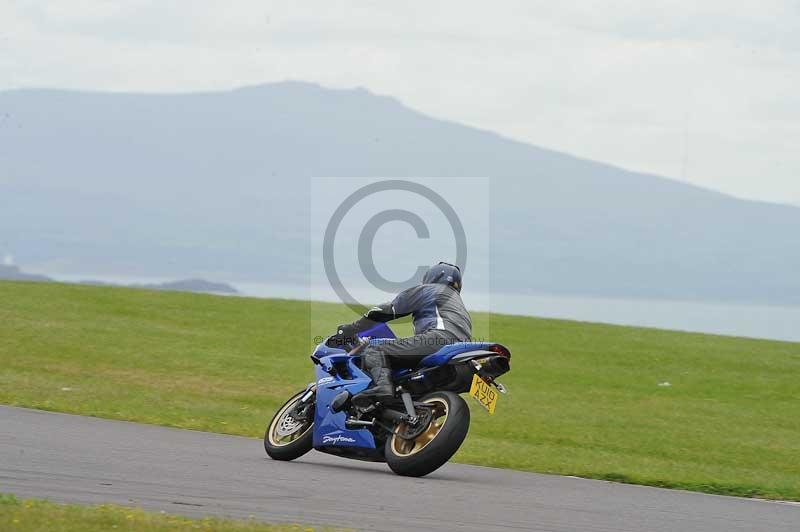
445 354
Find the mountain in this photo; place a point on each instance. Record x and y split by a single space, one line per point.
199 286
190 285
216 185
13 273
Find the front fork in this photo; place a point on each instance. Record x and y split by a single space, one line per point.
301 408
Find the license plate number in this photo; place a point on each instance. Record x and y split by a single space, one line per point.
484 393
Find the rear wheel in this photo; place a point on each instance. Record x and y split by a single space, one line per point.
430 449
288 436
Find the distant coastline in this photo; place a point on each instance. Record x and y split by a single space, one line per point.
774 322
202 286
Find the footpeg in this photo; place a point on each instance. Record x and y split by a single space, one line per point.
353 423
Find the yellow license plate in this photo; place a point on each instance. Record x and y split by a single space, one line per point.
484 393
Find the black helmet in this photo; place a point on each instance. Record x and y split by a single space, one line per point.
444 273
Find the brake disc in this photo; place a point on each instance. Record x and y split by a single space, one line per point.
288 426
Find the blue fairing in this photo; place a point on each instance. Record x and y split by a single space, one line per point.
329 427
380 332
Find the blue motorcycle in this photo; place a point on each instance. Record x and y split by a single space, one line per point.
415 433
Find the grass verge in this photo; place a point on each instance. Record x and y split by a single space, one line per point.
35 515
644 406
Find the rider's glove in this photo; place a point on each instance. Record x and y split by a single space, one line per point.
345 336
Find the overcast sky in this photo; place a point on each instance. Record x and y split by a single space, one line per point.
706 92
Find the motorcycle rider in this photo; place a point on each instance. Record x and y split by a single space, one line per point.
440 319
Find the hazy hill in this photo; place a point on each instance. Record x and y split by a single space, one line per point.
214 184
199 286
13 273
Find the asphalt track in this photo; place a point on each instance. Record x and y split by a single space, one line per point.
78 459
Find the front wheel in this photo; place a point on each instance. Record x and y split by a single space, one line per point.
432 448
289 434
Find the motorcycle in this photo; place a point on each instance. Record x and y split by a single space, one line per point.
415 433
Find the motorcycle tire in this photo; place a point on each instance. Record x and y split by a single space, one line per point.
287 438
432 448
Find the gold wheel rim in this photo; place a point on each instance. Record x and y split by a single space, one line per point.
402 447
280 418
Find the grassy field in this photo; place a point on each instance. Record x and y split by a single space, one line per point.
585 399
36 515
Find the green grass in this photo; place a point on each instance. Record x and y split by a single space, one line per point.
584 398
36 515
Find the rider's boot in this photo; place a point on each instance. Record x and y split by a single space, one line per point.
381 389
